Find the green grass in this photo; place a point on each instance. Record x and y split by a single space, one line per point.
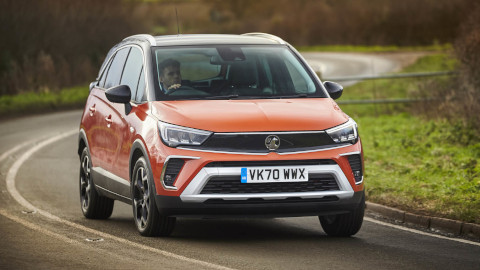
427 166
28 103
376 49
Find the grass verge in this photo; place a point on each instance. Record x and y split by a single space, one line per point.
427 166
29 103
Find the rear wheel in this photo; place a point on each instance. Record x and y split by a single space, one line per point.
344 224
148 220
93 205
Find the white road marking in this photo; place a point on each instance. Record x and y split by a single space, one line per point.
12 173
15 149
36 227
420 232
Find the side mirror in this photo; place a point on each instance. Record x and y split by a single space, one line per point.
92 85
335 90
120 94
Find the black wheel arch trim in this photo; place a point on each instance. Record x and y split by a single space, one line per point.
82 136
139 145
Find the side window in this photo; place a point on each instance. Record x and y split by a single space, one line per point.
116 68
141 94
104 75
132 70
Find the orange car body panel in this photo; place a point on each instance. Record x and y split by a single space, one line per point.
252 115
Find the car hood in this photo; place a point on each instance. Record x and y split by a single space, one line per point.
251 115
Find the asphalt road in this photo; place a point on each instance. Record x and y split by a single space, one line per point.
42 227
336 65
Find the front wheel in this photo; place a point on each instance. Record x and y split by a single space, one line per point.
344 224
148 220
93 205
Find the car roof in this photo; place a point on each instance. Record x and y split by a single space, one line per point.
209 39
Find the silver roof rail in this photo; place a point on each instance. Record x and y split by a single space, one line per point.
265 35
148 37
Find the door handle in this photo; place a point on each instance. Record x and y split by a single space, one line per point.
92 110
109 120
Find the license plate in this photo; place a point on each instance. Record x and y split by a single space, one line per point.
274 174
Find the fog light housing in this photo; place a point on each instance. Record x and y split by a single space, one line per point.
171 169
355 162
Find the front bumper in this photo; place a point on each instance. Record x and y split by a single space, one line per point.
187 196
292 207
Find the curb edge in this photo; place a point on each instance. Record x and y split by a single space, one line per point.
450 226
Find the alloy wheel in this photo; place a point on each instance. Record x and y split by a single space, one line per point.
141 197
85 183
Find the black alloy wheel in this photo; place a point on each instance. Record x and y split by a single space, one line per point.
148 220
93 205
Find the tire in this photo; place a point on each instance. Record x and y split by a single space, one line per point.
92 204
344 225
147 218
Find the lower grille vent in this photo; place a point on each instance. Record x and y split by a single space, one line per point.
262 201
233 185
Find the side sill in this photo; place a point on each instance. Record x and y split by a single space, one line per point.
110 185
112 195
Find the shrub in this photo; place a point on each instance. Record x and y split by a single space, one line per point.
50 44
457 98
467 50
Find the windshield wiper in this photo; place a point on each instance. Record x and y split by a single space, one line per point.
255 97
295 96
222 97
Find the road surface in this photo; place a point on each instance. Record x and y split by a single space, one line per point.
41 224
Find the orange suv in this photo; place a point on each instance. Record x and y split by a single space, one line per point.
217 126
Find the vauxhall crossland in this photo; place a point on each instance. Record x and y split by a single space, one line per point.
217 126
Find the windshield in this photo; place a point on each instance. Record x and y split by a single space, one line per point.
233 71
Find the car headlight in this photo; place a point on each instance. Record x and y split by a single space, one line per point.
173 135
344 133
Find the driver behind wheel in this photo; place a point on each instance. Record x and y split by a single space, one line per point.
170 77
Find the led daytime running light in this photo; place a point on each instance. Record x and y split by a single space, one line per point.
173 135
344 133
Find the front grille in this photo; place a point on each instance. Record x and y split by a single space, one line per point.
174 166
255 143
233 185
268 163
356 165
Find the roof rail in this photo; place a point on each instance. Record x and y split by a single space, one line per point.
265 35
148 37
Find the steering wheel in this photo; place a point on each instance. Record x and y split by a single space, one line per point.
182 87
